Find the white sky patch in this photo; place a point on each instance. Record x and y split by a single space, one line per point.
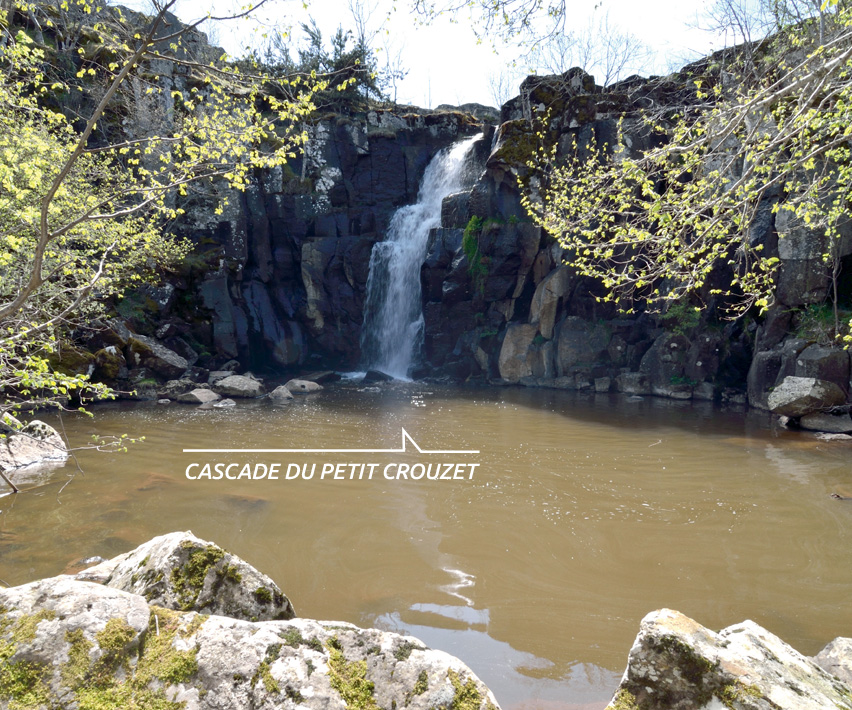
446 63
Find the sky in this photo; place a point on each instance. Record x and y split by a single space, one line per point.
445 62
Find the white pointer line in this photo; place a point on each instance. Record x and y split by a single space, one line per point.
405 436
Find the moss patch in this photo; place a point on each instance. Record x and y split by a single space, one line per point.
466 696
293 638
95 683
22 682
188 580
623 700
263 595
160 659
349 678
403 651
422 684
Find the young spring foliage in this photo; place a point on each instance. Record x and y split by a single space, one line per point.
99 148
654 225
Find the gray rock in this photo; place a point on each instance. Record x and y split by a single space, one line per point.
797 396
181 571
302 386
677 664
147 352
549 295
580 344
824 436
30 445
199 396
836 658
373 376
174 388
515 362
225 403
824 421
60 634
824 363
634 383
603 384
216 375
281 395
238 386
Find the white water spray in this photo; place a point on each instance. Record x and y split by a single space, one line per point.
393 316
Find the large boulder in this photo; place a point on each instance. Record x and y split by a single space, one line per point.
581 344
678 664
181 571
30 446
836 658
549 295
143 351
238 386
515 362
798 396
69 643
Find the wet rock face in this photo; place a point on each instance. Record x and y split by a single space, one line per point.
70 643
290 257
677 664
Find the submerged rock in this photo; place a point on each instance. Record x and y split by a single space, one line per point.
302 386
677 664
281 395
373 376
181 571
69 643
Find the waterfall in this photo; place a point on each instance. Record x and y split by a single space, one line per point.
393 316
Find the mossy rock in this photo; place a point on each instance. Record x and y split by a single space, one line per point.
72 361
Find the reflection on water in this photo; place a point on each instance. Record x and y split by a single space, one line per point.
584 515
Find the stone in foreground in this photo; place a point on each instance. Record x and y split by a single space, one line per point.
180 571
72 644
836 658
798 396
677 664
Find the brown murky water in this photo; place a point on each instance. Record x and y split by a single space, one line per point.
583 515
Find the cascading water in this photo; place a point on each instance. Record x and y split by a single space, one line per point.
393 316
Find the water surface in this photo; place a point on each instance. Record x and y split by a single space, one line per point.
585 513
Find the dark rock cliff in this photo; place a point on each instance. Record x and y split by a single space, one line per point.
278 281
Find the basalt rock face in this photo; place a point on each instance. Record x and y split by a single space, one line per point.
292 258
68 643
502 303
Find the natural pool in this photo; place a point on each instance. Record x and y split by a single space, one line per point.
584 514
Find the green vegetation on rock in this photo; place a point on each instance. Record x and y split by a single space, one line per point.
477 265
188 580
349 678
466 696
